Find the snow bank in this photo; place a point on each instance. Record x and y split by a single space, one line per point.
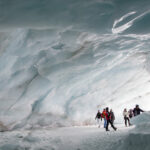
141 119
139 136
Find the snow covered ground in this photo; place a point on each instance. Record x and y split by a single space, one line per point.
81 137
68 138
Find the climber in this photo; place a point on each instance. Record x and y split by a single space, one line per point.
108 118
99 118
126 117
137 110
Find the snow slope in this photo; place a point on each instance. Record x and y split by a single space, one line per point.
73 138
81 138
138 138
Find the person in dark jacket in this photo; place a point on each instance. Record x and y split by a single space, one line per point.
112 116
108 118
98 117
137 110
130 113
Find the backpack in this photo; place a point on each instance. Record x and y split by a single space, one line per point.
108 115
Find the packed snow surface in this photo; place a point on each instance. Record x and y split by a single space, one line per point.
81 138
73 138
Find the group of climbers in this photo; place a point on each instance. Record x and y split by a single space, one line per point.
131 113
109 117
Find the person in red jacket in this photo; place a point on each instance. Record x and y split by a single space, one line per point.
108 118
104 116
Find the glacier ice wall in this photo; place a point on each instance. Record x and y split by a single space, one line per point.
61 60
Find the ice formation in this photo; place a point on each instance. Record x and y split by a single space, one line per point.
60 59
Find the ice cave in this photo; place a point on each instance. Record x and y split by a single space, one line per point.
63 60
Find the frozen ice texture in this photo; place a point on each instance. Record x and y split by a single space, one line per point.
60 61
